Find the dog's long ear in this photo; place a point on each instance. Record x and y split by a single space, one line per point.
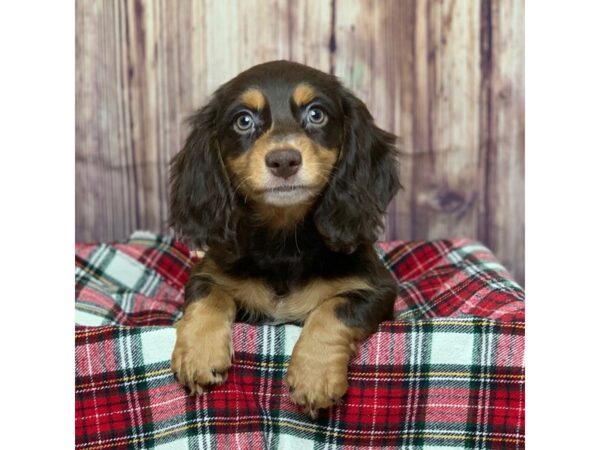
201 199
362 183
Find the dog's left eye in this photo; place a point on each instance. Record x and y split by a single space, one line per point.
244 123
316 116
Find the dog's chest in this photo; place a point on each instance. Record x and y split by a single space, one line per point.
276 303
260 298
284 285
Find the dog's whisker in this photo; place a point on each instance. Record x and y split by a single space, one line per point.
296 238
240 183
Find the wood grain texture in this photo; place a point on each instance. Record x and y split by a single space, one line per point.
504 229
445 76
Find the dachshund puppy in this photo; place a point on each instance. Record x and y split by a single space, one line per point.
284 178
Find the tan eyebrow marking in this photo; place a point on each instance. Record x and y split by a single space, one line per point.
253 98
303 94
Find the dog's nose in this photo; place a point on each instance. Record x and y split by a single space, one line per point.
284 163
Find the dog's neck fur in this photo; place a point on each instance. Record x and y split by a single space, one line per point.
284 218
284 257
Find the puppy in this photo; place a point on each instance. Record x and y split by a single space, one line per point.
284 178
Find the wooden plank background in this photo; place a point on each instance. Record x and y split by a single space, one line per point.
445 75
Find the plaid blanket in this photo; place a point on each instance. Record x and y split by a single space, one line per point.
447 374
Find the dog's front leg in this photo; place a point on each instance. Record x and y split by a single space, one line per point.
203 349
317 376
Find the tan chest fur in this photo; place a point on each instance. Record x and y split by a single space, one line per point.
258 298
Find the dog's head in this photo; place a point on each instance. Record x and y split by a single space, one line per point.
285 140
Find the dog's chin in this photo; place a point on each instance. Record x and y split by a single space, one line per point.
286 195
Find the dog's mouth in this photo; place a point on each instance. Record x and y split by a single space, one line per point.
285 189
287 195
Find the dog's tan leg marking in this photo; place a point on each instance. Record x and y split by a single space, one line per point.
301 301
250 294
203 349
318 372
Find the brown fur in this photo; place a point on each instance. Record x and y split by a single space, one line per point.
282 218
259 299
303 94
318 370
253 99
250 174
203 349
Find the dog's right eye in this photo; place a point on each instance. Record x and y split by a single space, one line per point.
244 123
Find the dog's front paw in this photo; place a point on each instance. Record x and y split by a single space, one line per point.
202 354
317 380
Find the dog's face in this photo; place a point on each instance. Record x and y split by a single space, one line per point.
280 134
283 136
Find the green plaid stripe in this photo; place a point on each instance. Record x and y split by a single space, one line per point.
452 379
441 357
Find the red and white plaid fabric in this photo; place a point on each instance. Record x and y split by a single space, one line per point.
447 373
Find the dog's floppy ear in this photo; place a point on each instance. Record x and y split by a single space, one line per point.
201 199
362 183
